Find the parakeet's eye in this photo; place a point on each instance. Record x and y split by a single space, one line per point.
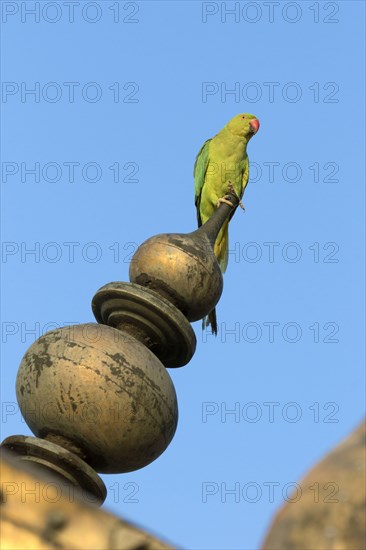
243 117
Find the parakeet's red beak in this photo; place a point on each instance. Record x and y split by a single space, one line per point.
254 124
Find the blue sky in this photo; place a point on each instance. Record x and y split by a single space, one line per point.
124 95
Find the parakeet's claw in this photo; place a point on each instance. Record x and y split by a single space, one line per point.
224 200
232 190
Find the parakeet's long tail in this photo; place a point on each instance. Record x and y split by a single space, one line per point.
222 248
221 252
210 320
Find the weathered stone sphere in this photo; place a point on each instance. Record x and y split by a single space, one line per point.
183 269
100 393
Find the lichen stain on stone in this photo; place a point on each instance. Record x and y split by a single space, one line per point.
129 382
149 382
197 276
37 363
134 408
74 345
59 407
185 246
68 360
116 371
118 358
74 405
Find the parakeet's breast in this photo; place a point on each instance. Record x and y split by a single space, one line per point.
227 162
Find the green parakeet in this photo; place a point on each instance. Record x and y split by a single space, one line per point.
221 161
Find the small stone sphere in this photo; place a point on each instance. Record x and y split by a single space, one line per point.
103 392
183 269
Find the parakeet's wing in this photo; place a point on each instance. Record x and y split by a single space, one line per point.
199 173
245 176
244 181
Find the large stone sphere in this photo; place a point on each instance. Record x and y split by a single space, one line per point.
100 391
183 269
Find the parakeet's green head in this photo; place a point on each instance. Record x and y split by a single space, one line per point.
244 125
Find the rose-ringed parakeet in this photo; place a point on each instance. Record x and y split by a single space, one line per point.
222 162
